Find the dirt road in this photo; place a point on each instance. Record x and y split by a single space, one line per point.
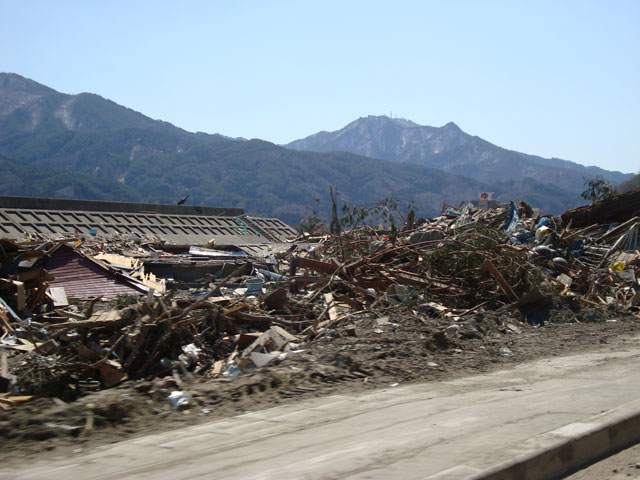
450 429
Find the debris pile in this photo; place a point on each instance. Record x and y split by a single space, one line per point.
469 275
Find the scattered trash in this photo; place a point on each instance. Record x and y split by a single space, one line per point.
179 399
505 351
147 313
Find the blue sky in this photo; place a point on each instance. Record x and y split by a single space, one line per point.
551 78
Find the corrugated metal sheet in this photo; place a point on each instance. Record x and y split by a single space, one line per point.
82 278
191 229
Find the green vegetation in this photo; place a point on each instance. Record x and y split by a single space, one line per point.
24 180
95 149
262 178
597 189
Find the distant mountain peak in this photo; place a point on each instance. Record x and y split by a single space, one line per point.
384 119
17 92
42 130
452 126
25 105
378 121
451 149
14 82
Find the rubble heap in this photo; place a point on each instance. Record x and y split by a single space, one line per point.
467 275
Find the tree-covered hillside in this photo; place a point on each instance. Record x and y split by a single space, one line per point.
84 146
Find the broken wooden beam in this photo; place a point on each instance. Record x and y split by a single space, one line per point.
506 288
111 319
318 266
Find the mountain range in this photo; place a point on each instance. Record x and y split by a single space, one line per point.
84 146
450 149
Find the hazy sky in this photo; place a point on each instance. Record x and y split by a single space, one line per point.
554 78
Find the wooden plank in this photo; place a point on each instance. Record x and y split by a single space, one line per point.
21 295
4 321
235 308
346 300
59 296
140 341
7 402
437 307
221 299
25 346
216 369
20 398
506 288
110 318
318 266
4 364
105 316
333 310
65 313
411 280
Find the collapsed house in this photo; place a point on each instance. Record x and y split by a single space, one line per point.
95 294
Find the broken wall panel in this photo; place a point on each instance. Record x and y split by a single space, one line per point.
82 278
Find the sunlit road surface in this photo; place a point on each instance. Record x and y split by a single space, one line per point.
447 430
